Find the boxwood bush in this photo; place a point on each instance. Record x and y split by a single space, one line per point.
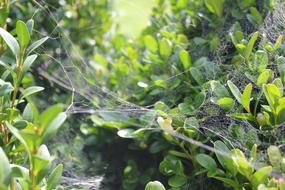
206 78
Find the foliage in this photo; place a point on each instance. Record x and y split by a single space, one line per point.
25 159
194 56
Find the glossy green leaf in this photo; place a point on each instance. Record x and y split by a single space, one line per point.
28 62
247 116
5 169
177 181
126 133
154 185
36 44
264 77
185 59
49 114
23 34
30 25
245 97
197 75
165 48
151 43
235 91
261 60
250 45
260 176
54 177
53 126
219 90
226 103
207 162
31 90
11 42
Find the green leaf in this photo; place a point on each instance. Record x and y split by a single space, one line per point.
165 48
272 95
30 25
11 42
49 114
185 59
53 126
17 134
23 34
219 90
31 90
235 91
5 88
244 167
275 157
197 75
5 169
260 176
154 185
249 46
126 133
177 181
226 103
247 116
54 177
224 157
278 42
264 77
207 162
36 44
261 60
216 6
278 83
151 43
254 16
246 3
229 182
28 62
245 97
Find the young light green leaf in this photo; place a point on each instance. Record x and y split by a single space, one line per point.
245 97
260 176
11 42
185 59
264 77
154 185
235 91
151 43
23 34
54 177
249 47
165 48
226 103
